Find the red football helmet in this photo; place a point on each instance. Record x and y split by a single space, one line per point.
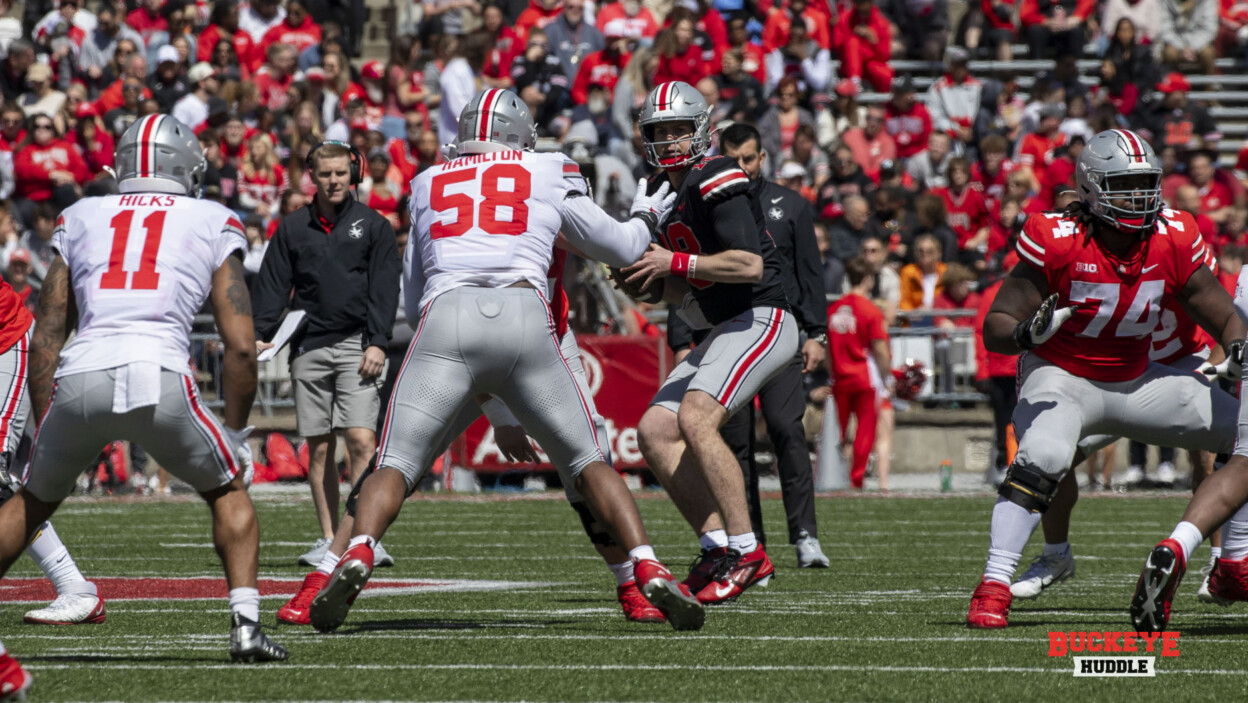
910 379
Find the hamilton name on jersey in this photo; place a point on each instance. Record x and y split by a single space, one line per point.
713 183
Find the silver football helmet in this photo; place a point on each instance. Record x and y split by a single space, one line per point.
159 154
675 102
495 120
1117 166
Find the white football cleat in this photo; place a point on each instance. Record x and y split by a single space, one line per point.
1166 473
69 609
313 556
1134 475
1044 571
381 557
1202 594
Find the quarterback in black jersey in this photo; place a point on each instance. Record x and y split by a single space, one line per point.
716 259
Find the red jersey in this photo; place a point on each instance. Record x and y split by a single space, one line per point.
992 186
302 37
1037 152
643 26
1118 301
146 24
909 130
33 166
853 324
989 364
776 31
600 69
15 319
1215 196
967 213
244 46
688 67
1177 334
272 90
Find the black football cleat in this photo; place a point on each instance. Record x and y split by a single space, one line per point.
249 644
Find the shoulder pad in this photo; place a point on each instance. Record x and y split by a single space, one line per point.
1181 228
720 178
573 180
1046 234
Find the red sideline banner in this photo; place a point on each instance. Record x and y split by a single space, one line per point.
624 373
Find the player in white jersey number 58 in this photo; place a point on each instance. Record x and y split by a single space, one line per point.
484 225
130 273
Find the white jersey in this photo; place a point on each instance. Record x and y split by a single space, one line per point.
490 220
141 266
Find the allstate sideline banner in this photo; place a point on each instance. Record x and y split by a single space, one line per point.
624 373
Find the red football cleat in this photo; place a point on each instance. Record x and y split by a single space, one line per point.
636 607
331 605
990 606
1229 580
297 609
702 570
14 681
672 598
737 572
1150 606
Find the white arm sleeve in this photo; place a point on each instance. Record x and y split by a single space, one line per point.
600 237
498 414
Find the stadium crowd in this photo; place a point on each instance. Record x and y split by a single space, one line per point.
930 189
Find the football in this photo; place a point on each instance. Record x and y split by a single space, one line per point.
652 293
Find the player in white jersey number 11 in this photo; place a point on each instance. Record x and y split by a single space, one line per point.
130 273
484 225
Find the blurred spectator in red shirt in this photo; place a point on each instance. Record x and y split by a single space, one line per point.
861 39
956 295
859 361
989 173
382 186
297 30
274 78
1055 27
1187 199
12 126
146 19
994 375
94 142
261 178
135 67
121 117
1036 150
803 59
602 69
991 23
871 144
753 58
776 31
741 92
629 18
506 46
539 13
1174 121
47 167
257 17
920 27
223 25
405 152
1171 177
966 211
680 59
1217 198
907 120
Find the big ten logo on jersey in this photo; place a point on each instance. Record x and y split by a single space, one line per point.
678 237
497 207
1139 319
1081 267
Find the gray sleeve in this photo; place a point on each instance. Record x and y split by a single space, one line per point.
598 236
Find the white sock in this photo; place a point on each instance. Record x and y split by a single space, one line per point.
1215 553
362 539
1011 527
329 562
743 543
645 551
623 572
3 651
245 602
1056 549
714 539
54 560
1189 538
1235 535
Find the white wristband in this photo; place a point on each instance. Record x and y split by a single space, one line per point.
497 412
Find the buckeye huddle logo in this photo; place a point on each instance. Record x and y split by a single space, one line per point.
1118 652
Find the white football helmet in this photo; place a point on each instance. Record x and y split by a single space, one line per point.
675 102
495 120
1118 165
159 154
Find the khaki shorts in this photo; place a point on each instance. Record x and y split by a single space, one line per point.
329 392
180 433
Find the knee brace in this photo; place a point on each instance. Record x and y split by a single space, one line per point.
593 528
1029 487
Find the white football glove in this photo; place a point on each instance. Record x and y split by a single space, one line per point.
1042 325
242 450
1231 368
652 209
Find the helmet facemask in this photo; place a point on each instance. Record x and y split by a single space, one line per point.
1130 200
699 139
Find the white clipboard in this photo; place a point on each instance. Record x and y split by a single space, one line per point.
290 325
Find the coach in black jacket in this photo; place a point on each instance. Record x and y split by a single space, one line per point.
790 223
341 260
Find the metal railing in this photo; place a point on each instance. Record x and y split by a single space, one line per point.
948 354
273 377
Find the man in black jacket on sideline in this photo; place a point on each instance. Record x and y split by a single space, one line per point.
341 260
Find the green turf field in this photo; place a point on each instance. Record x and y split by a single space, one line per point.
885 623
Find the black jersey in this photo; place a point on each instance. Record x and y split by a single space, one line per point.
715 211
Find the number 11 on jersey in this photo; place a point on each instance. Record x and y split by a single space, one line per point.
146 278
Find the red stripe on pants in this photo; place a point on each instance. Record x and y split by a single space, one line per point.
864 405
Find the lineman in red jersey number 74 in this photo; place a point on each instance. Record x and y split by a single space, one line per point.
1082 306
716 253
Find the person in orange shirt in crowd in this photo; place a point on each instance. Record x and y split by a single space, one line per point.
920 281
871 144
861 38
629 18
680 58
776 31
859 361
